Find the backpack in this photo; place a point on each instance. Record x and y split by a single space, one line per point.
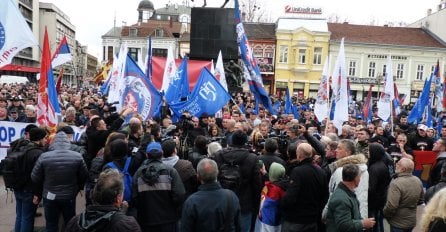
13 169
128 179
229 174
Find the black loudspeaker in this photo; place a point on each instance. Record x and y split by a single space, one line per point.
212 30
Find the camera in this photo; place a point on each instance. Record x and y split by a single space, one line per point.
185 123
282 140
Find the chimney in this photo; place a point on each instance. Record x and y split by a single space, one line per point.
345 22
386 25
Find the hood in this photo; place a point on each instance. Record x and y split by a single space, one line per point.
95 219
353 159
60 142
152 172
376 152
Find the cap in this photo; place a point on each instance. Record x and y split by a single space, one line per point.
422 127
154 147
359 117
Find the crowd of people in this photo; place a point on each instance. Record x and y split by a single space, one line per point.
245 170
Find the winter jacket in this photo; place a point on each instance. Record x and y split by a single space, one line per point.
343 211
32 155
306 194
270 158
379 178
202 212
157 194
435 174
416 142
251 180
430 192
362 190
63 172
97 138
103 218
404 194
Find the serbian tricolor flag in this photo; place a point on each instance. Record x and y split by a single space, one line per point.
47 104
62 54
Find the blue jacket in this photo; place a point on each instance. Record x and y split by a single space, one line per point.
203 212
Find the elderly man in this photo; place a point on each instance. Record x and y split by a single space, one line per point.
105 213
201 212
404 194
343 207
307 194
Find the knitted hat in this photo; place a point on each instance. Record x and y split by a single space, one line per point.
29 127
36 134
276 171
67 129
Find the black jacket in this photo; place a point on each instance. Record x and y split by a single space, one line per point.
202 212
379 178
63 172
249 195
32 155
306 194
97 138
435 174
157 193
270 158
118 222
430 192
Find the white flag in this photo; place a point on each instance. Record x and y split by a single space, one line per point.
212 67
170 70
219 72
385 101
321 106
340 90
117 81
15 34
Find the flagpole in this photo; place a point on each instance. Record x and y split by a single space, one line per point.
392 110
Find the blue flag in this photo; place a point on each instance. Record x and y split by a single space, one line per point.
179 84
416 114
288 105
429 120
139 92
276 107
254 77
208 96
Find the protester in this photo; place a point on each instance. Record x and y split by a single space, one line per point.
434 216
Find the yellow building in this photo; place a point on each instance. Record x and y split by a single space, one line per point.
301 50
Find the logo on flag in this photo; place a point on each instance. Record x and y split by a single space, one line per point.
139 93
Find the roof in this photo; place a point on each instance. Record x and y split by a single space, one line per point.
148 28
405 36
319 25
260 30
173 9
113 32
145 4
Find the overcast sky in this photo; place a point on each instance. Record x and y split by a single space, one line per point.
93 18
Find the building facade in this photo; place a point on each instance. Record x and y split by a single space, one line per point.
165 25
26 62
414 54
301 50
262 40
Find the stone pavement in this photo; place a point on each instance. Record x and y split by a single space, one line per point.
7 210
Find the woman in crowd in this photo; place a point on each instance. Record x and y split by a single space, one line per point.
434 217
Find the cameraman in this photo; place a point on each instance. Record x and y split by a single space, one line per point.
270 156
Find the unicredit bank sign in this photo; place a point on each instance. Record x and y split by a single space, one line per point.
302 10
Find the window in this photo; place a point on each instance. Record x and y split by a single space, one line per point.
400 71
420 72
159 52
133 52
302 53
283 56
352 68
269 52
258 52
110 53
317 56
133 32
384 70
159 33
372 66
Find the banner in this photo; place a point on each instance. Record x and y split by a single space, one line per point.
10 131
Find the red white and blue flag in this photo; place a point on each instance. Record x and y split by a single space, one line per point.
254 77
47 103
15 34
62 54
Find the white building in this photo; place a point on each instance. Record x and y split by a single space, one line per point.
414 54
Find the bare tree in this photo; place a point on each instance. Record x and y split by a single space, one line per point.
254 11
